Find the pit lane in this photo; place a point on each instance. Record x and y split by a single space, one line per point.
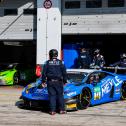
108 114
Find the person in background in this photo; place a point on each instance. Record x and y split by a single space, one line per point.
98 59
121 62
97 79
84 59
54 75
91 79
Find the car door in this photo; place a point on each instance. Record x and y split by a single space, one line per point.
103 88
97 95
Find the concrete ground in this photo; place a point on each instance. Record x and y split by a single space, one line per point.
109 114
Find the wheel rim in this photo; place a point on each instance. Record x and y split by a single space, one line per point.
123 92
85 99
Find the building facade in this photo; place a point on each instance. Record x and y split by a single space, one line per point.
93 16
18 20
55 23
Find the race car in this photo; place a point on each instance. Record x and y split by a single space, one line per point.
14 73
84 88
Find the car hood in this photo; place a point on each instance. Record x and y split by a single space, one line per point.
33 92
2 73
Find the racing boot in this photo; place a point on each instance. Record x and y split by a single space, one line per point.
52 113
62 112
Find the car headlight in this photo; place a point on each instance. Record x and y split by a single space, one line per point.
27 91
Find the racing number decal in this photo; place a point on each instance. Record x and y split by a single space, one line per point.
97 93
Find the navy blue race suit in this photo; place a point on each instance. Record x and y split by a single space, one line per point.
54 74
98 60
84 60
121 63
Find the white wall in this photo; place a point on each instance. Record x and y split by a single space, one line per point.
93 20
85 24
48 29
17 27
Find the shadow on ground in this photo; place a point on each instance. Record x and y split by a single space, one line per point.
20 104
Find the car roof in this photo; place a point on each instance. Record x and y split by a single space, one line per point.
81 70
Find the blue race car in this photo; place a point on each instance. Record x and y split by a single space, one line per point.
84 88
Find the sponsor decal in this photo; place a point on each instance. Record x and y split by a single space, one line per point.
117 81
117 90
71 106
71 93
107 85
97 93
39 93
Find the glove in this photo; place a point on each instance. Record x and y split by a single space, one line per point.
44 85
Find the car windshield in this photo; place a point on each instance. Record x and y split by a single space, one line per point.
76 77
6 67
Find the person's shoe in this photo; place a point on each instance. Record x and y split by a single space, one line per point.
52 113
63 112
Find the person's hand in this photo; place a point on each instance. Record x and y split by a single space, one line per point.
65 84
44 85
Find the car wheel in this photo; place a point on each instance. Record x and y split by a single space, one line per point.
26 104
123 91
85 98
16 78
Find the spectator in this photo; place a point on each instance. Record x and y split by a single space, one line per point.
98 59
121 62
84 59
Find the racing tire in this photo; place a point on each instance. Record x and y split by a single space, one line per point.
123 91
26 104
85 99
16 78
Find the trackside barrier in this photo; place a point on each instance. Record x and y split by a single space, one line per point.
119 70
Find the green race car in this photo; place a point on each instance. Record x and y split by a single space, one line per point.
14 73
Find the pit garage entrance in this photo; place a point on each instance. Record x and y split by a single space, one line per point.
18 52
111 46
